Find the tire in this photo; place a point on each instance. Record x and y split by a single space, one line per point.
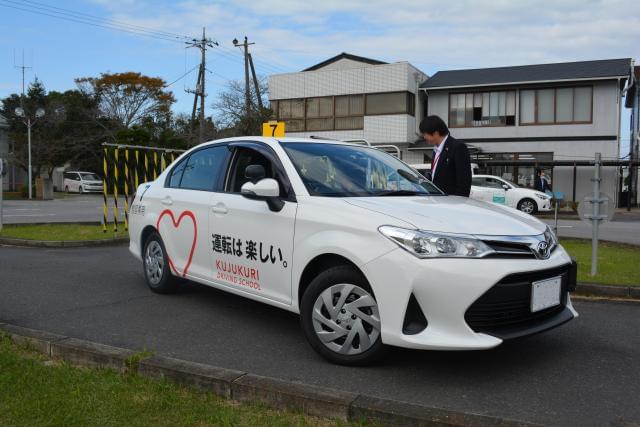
80 190
356 334
528 206
155 265
66 189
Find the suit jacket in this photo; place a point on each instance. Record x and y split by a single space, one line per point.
542 184
453 171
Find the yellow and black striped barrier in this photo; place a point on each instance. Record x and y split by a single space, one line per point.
125 167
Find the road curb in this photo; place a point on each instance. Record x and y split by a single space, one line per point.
593 289
390 412
90 354
282 394
249 388
216 380
10 241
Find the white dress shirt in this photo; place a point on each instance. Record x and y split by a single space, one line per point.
436 155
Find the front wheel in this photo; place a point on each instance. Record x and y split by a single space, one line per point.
527 206
80 191
156 266
340 317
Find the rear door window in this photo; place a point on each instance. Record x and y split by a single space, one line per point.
202 169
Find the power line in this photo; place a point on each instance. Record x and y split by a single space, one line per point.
106 25
43 9
182 76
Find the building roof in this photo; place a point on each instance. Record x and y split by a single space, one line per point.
581 70
344 55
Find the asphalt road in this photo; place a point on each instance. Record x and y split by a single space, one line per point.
584 373
64 208
88 208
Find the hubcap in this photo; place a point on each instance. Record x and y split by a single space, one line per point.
154 262
526 206
346 319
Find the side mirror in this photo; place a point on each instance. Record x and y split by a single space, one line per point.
505 186
266 189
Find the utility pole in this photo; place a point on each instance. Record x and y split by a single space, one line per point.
255 82
247 91
200 90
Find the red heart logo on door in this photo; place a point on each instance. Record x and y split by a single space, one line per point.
176 224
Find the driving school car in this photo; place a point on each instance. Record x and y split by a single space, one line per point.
366 250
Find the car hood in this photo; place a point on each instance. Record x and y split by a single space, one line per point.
453 214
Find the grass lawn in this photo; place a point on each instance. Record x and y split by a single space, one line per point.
61 232
618 264
38 391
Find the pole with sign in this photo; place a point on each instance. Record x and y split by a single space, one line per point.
595 209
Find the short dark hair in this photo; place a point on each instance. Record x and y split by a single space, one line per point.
432 124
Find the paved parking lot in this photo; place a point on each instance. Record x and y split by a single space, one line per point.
584 373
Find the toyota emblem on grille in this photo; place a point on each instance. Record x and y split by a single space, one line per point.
543 250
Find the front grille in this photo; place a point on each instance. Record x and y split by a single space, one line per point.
509 249
505 309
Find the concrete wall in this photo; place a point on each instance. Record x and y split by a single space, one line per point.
328 81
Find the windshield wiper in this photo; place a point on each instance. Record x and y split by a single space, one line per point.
399 193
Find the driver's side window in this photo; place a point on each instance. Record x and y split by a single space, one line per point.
243 157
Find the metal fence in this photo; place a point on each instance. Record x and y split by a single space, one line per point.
124 168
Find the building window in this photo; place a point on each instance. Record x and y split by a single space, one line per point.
390 103
291 111
473 109
523 176
319 113
556 105
349 111
345 112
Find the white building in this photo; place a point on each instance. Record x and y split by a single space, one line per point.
536 113
351 97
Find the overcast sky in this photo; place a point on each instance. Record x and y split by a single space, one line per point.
291 35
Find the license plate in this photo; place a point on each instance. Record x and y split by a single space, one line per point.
545 293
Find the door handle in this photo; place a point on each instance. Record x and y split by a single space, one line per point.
167 201
219 209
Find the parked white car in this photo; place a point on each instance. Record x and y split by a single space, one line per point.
82 182
366 250
494 189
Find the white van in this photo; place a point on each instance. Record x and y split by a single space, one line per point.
82 182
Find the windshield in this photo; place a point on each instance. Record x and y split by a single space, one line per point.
336 170
90 177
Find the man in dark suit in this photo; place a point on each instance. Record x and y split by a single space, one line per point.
541 183
451 164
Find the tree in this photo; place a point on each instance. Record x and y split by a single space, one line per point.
129 98
231 115
69 131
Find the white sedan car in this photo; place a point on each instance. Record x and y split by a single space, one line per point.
366 250
491 188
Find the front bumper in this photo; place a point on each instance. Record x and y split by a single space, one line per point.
449 292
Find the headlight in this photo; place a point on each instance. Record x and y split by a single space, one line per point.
542 196
425 244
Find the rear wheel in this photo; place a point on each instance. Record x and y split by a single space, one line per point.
340 317
156 266
528 206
